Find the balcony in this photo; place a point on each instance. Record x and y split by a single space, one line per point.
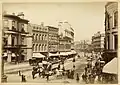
10 46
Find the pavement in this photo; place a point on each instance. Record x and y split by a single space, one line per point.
80 64
14 68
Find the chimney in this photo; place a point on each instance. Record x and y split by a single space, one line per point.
42 23
21 15
13 13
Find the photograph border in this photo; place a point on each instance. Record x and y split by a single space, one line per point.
56 1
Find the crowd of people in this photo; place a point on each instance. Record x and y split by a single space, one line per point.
93 70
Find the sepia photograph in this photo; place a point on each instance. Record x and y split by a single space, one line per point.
74 43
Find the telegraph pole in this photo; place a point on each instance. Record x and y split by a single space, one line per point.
48 43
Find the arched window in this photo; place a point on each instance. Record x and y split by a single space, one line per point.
45 36
45 47
36 37
42 48
33 47
36 49
39 47
39 36
116 18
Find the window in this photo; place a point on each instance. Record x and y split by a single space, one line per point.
40 37
36 47
13 41
13 23
22 28
108 20
6 23
22 40
33 37
33 27
45 37
42 48
116 42
36 37
115 18
108 42
45 47
33 47
39 47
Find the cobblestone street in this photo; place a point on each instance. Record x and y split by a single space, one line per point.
80 64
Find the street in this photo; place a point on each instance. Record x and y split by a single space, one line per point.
80 64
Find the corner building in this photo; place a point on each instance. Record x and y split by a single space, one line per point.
111 30
15 36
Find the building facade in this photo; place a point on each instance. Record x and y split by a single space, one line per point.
66 34
83 46
53 39
16 35
98 42
111 30
40 38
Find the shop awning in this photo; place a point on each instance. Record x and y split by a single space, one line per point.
51 54
38 55
63 54
111 67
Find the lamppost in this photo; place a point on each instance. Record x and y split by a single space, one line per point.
3 77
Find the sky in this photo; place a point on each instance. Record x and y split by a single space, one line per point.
85 18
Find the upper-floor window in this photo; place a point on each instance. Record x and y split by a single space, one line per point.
13 41
33 37
5 23
36 47
39 47
115 18
36 37
22 40
42 37
13 25
33 47
116 41
22 28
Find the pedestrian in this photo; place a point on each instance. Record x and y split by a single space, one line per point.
43 73
68 74
92 78
84 76
19 73
72 74
47 75
33 74
73 66
73 59
23 78
77 79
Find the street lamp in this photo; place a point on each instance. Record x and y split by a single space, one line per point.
3 77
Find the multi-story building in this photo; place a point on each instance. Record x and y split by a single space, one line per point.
53 39
40 38
111 30
83 46
66 33
16 38
98 42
